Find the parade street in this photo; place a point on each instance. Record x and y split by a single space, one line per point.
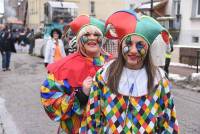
22 113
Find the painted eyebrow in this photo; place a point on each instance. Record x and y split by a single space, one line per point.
87 33
97 33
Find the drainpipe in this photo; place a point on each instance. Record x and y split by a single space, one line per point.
26 11
151 9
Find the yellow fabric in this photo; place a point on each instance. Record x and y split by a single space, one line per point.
57 54
168 55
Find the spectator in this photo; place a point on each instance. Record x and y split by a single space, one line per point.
23 41
54 49
168 56
31 39
7 41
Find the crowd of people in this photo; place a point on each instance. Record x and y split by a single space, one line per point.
93 91
12 39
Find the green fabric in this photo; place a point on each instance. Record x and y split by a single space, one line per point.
98 23
148 28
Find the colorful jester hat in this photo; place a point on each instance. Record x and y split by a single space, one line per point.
127 22
83 20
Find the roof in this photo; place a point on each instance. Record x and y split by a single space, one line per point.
57 4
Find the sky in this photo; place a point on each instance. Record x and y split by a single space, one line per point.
1 6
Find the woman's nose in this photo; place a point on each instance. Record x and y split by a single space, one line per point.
133 48
92 36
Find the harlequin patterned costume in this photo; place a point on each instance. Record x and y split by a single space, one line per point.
115 113
108 113
61 90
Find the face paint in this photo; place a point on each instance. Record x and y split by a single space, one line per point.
141 48
139 45
126 49
85 39
134 49
128 43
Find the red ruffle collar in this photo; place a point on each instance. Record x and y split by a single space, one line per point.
74 68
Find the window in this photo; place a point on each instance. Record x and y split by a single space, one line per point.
46 10
195 39
176 10
196 9
177 7
92 8
131 6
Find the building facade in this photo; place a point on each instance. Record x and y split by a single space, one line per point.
182 19
35 13
35 18
98 8
184 24
190 23
101 8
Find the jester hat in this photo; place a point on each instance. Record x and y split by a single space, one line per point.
127 22
83 20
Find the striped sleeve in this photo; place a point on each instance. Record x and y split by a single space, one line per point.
59 99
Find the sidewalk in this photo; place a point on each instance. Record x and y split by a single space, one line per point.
185 78
181 70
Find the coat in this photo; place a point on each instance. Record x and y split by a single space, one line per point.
50 50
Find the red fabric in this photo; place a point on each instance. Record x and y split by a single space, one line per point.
75 68
77 23
127 20
165 37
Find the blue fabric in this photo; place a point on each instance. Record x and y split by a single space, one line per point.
6 59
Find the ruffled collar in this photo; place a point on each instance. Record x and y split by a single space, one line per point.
75 68
99 61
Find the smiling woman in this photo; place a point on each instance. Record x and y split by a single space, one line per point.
129 94
65 92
